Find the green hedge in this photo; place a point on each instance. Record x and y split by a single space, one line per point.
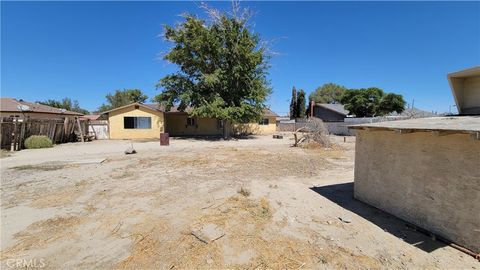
36 141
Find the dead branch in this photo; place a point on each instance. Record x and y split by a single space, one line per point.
199 237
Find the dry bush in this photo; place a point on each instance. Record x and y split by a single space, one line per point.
314 131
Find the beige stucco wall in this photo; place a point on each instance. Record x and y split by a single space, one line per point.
177 126
255 128
117 131
471 92
431 181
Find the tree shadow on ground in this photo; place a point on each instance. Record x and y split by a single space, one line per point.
342 194
214 138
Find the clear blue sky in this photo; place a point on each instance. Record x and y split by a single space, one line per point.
83 50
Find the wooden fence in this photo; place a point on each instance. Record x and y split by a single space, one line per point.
14 131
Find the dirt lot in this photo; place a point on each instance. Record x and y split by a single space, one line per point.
251 203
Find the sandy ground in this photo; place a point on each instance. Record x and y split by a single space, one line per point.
251 203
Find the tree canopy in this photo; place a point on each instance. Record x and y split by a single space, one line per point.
65 103
371 102
121 98
328 93
222 68
297 104
293 104
301 104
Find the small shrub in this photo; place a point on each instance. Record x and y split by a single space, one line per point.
36 141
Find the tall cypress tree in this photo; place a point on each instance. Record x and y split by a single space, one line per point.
301 104
293 104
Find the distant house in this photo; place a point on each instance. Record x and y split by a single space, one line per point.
13 108
21 119
329 112
147 121
332 115
426 170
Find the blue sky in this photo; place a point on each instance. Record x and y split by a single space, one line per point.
83 50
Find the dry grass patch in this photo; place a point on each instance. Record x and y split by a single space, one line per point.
4 153
41 233
59 197
42 167
156 246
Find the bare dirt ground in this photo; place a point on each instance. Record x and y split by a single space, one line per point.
251 203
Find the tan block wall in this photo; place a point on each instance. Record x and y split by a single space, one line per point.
117 131
431 181
177 126
255 128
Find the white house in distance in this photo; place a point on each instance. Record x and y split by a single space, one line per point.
427 171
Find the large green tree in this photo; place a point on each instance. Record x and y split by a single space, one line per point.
392 103
121 98
328 93
66 103
371 102
222 69
293 104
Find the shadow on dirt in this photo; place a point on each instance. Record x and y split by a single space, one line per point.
214 138
342 194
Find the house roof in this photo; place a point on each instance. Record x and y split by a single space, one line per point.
457 124
338 108
146 106
268 112
173 109
19 106
413 113
91 117
456 81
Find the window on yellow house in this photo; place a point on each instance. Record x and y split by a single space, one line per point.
264 121
137 122
191 121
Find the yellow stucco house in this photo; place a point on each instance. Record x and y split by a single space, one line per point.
147 121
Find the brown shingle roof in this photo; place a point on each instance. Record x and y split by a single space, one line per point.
91 117
268 112
13 105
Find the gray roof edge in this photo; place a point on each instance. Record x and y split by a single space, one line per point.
345 112
367 126
472 127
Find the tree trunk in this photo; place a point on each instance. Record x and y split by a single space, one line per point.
226 130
